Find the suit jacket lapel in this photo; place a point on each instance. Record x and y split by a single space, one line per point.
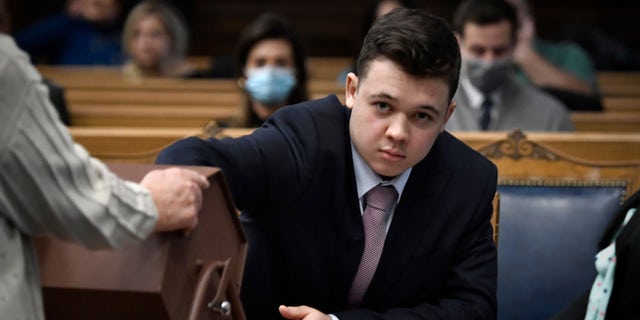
350 228
632 202
623 242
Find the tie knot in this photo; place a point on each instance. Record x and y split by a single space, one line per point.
487 103
381 197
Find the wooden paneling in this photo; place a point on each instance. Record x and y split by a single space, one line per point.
142 144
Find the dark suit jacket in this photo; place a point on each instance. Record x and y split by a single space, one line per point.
294 181
624 302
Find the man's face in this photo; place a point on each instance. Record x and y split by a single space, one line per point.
488 42
395 117
99 10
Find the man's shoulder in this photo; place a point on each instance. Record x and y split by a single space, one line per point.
325 112
12 55
530 96
327 105
458 154
9 49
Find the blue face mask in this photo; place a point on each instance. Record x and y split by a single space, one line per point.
270 85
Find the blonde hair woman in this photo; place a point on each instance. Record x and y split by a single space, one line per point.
155 40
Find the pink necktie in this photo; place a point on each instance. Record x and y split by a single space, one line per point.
378 203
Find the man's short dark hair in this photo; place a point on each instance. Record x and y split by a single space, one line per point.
484 12
420 43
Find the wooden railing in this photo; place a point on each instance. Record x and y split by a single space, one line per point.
133 144
100 96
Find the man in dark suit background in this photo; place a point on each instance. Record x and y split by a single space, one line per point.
303 182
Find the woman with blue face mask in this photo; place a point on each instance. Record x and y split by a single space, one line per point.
270 69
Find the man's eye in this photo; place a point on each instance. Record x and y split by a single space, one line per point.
477 51
422 116
381 106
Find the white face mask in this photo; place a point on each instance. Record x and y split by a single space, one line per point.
487 76
270 85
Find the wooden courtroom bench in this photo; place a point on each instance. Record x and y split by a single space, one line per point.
586 145
323 68
133 144
92 93
618 87
608 89
109 78
158 116
622 103
607 121
100 96
162 109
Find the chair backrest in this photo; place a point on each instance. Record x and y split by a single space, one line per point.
553 211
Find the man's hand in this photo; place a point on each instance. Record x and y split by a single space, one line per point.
524 45
177 194
302 313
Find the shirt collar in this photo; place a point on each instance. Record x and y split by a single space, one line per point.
366 178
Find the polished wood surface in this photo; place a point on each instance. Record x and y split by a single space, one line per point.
102 96
135 144
156 279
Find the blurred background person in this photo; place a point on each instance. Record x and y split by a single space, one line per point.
155 41
562 69
88 33
490 97
373 11
379 8
270 68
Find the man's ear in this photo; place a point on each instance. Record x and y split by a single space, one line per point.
447 115
458 37
351 88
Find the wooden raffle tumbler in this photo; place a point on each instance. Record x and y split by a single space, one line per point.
168 276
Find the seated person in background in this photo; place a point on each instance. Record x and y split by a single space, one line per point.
50 185
562 69
375 9
490 96
155 40
616 290
369 211
88 33
270 69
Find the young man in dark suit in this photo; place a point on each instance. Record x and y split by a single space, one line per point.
308 182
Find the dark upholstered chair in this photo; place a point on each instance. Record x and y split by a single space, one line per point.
553 210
